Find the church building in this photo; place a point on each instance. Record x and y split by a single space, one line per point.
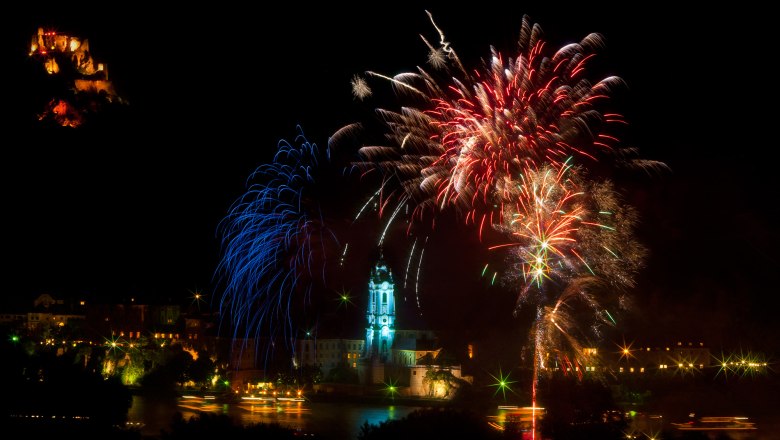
380 315
388 353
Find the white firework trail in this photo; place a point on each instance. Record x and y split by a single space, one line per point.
417 280
409 263
401 204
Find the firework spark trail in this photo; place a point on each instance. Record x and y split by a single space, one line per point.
357 216
363 208
343 255
555 331
398 208
272 243
417 278
409 263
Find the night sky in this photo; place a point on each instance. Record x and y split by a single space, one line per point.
133 210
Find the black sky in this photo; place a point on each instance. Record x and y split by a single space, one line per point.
212 89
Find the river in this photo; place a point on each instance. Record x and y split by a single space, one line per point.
327 420
342 420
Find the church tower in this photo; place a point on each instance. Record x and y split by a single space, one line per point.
380 313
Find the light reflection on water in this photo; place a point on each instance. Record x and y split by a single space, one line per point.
328 420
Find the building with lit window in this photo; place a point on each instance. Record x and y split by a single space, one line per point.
330 353
631 360
680 357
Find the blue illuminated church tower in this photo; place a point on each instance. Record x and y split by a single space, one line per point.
401 352
380 313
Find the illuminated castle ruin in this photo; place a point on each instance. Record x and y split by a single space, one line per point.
48 45
69 58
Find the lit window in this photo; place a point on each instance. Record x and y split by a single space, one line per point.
621 369
642 370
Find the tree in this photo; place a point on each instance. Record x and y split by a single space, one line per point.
201 370
440 381
579 409
342 373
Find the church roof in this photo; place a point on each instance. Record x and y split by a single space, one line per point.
381 272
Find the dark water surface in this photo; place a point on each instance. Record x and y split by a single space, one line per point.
342 420
327 420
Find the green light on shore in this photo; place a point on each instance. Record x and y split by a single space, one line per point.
391 389
502 383
14 338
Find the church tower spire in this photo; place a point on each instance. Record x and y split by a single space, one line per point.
381 311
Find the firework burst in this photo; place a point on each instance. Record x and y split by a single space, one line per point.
562 227
572 256
467 135
273 242
360 88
